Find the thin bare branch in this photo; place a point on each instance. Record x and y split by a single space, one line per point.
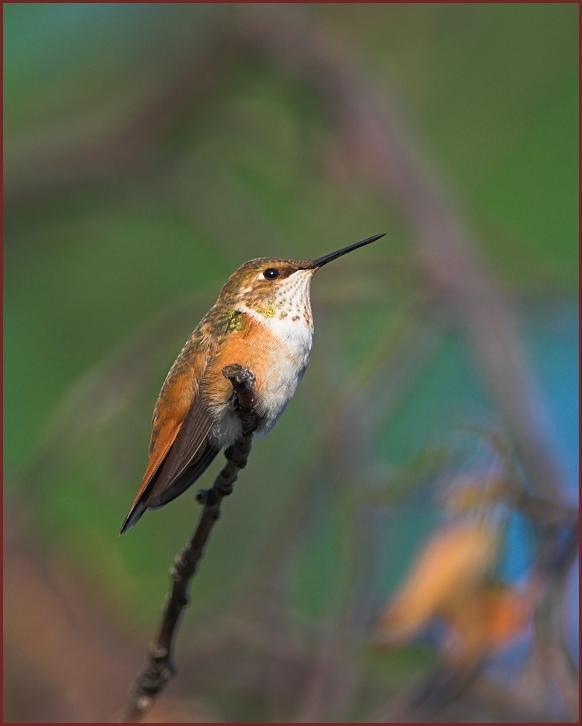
160 667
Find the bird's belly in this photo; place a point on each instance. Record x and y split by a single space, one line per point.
277 385
287 363
278 355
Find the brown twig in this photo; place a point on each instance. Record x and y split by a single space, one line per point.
160 667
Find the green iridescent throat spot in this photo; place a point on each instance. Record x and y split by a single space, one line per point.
267 309
235 321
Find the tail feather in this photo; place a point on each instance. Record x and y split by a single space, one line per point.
135 514
159 496
160 491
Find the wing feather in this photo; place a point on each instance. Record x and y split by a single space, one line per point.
194 471
191 441
178 403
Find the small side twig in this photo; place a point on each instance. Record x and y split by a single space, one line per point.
160 667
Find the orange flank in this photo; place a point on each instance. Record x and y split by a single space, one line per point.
195 389
252 346
171 409
174 402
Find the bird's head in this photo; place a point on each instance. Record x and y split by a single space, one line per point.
275 286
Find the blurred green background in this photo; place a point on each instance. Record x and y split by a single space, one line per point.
133 188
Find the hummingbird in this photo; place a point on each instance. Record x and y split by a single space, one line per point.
262 320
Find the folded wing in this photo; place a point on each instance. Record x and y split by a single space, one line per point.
180 449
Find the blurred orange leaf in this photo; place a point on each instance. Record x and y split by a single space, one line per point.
452 563
483 621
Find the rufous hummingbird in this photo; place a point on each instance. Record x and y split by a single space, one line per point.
262 320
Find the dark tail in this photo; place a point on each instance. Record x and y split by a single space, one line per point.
135 514
160 492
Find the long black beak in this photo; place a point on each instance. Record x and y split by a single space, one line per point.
321 261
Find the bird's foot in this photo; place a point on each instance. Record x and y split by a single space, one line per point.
241 378
243 382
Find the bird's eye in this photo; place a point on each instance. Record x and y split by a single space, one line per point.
270 273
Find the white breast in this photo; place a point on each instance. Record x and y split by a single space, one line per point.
289 362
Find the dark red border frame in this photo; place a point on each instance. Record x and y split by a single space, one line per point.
196 2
